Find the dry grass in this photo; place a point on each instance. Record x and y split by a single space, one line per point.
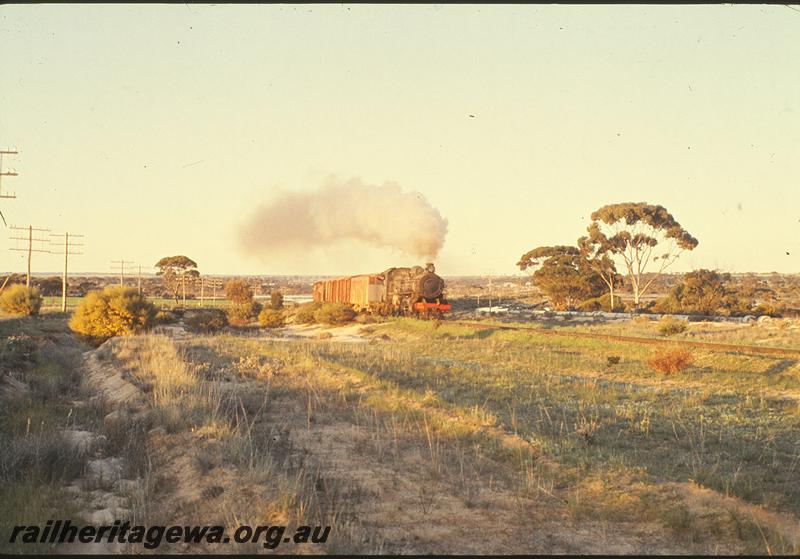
671 361
35 461
447 426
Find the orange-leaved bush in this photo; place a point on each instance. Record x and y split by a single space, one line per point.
114 311
669 361
20 301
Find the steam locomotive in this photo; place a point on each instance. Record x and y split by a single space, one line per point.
413 291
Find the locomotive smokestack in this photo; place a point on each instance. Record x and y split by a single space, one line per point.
381 215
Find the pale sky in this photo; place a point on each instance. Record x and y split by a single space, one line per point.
156 129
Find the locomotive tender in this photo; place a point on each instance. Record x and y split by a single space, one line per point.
397 291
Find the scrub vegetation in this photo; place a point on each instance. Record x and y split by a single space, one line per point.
412 435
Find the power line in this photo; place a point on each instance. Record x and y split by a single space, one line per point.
67 251
119 265
6 173
29 249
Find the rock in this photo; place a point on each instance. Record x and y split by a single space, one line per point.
158 431
12 387
106 500
126 486
115 502
117 419
104 469
102 517
79 441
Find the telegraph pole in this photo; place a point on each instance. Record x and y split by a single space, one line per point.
6 173
68 250
490 295
30 238
120 264
140 279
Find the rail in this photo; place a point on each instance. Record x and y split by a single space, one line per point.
738 348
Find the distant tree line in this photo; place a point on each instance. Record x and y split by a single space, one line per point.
644 240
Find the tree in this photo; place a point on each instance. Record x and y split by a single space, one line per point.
276 300
174 269
704 291
756 296
238 292
639 234
563 273
244 307
50 286
597 252
700 292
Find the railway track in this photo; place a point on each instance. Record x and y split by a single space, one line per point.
735 348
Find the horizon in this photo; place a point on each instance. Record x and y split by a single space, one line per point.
518 275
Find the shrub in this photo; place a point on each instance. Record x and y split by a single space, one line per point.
306 311
240 314
602 303
18 301
669 304
276 300
335 313
238 292
669 326
206 321
364 318
114 311
165 317
669 361
271 318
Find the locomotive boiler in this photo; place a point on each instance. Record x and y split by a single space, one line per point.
397 291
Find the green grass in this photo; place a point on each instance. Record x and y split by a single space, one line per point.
51 303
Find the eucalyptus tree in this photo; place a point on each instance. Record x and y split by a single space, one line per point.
597 252
562 273
641 235
174 270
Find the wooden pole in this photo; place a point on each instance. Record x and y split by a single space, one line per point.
64 279
30 250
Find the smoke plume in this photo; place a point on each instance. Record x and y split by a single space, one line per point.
381 215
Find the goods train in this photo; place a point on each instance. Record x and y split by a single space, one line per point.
397 291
